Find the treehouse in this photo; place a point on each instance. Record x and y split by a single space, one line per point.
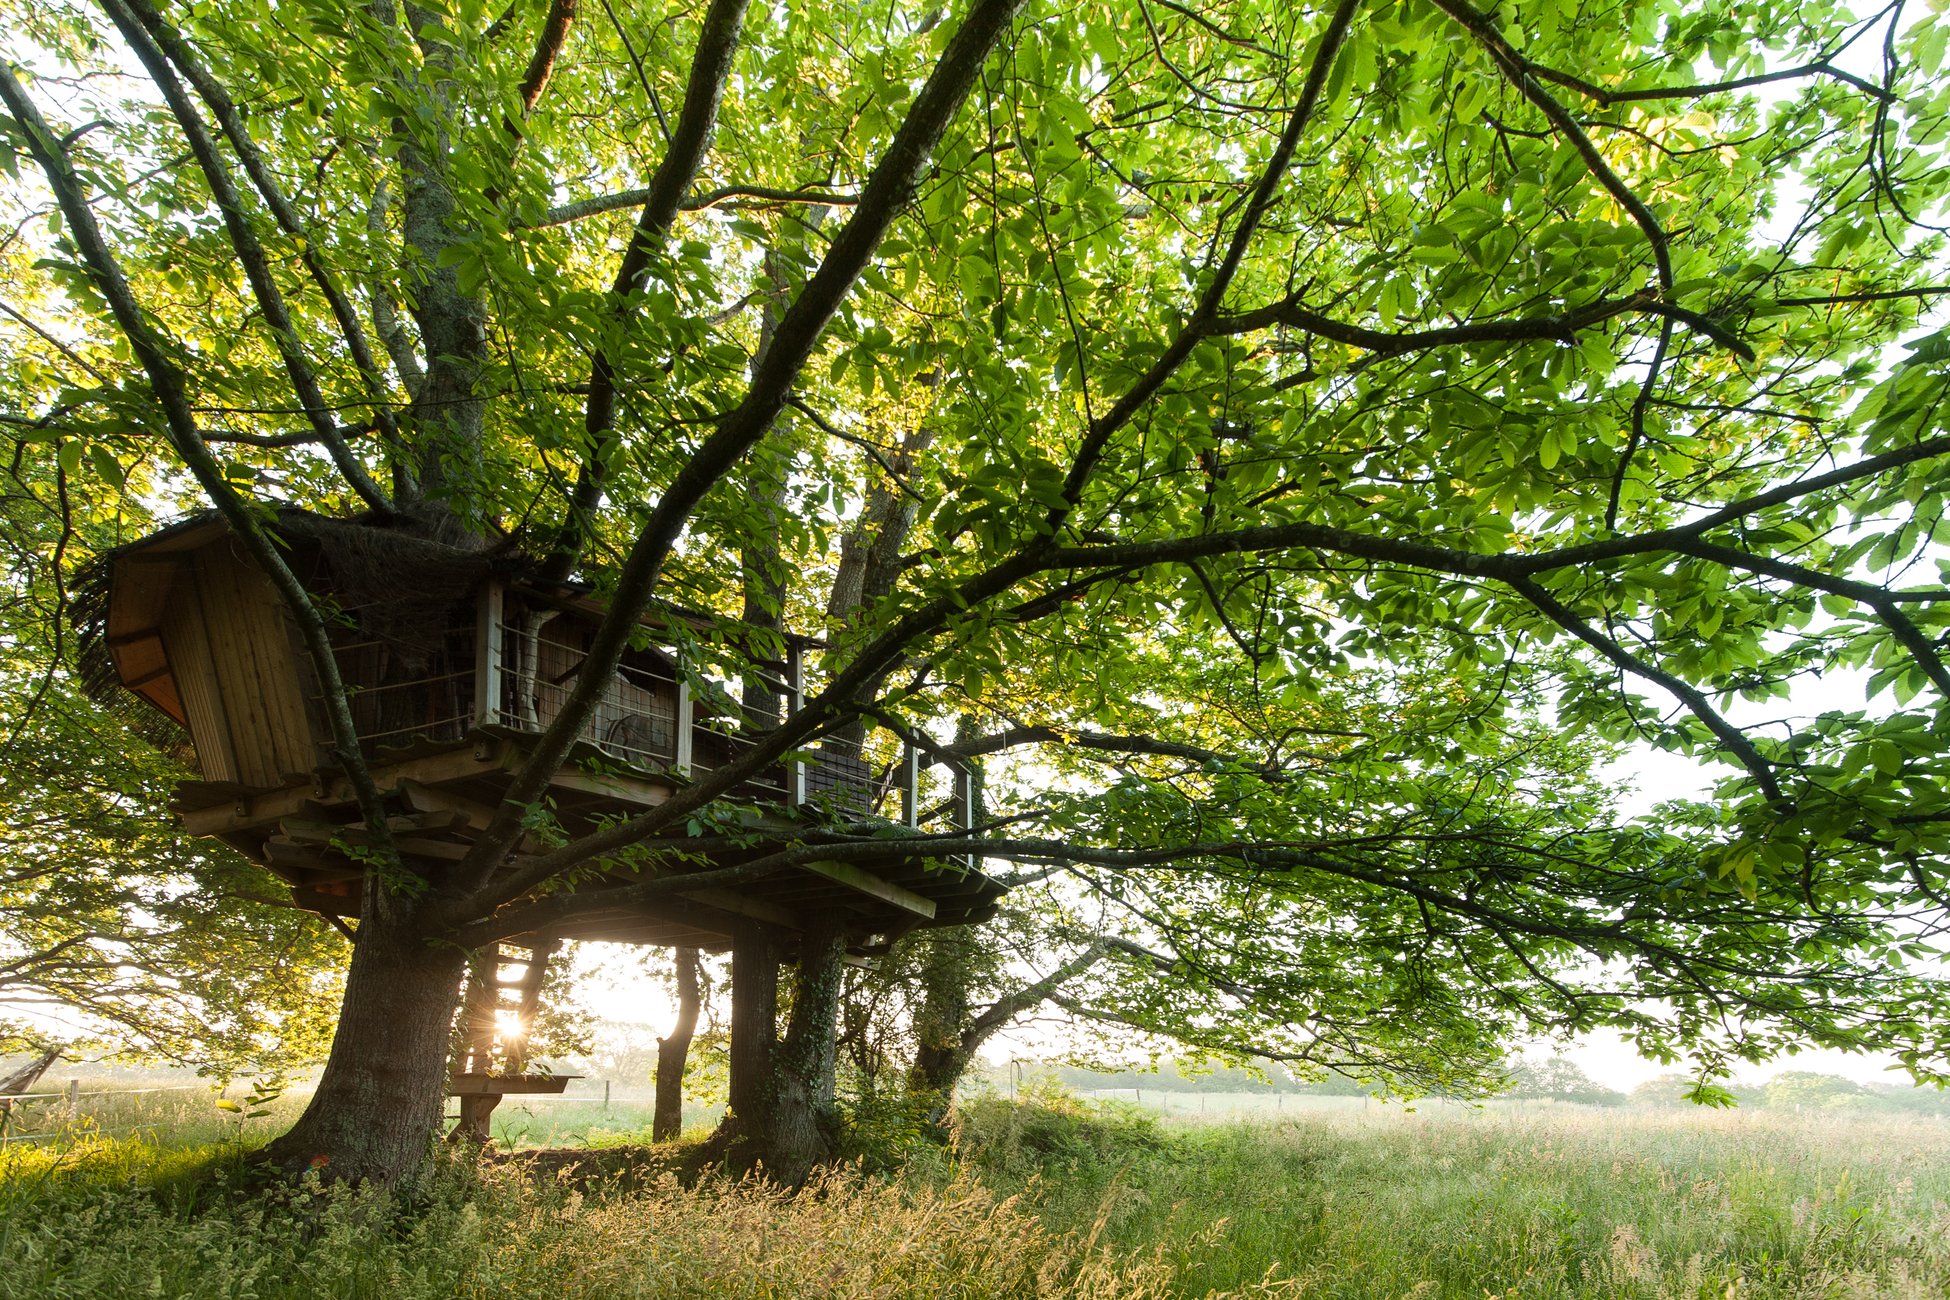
454 662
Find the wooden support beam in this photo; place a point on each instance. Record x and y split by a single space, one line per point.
307 831
260 809
438 850
737 904
424 798
865 882
647 794
754 1021
685 722
795 687
968 803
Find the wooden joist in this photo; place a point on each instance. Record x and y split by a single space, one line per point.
757 909
307 831
865 882
463 761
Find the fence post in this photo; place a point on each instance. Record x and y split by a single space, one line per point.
74 1100
605 1096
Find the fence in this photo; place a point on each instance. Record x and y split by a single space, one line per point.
61 1114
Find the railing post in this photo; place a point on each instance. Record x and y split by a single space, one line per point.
487 656
795 700
74 1101
968 796
684 713
910 784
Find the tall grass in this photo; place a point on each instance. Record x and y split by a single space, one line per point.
1053 1198
1552 1202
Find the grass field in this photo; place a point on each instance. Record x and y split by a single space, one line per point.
1054 1197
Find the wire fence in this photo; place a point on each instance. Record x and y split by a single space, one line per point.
79 1112
61 1114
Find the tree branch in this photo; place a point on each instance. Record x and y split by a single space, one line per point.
250 254
717 43
166 383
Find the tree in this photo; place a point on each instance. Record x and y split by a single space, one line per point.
1561 1080
1312 432
119 934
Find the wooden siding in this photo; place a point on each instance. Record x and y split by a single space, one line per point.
232 659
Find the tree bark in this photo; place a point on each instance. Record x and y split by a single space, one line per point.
377 1111
782 1118
949 1031
804 1122
870 555
674 1050
940 1058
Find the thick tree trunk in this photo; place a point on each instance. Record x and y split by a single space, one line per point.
947 1028
870 558
782 1117
947 971
674 1050
804 1122
377 1111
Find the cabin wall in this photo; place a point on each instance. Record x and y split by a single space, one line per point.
231 654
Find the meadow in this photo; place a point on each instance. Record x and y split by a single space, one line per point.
1046 1195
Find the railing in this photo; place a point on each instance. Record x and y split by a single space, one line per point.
401 693
516 669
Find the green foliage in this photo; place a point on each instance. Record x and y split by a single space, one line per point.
119 933
1051 1129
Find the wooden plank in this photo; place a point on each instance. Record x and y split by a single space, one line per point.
741 905
865 882
422 797
316 868
223 627
304 829
647 794
186 641
685 723
910 778
438 850
268 654
795 687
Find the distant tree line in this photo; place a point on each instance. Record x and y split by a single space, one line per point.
1555 1079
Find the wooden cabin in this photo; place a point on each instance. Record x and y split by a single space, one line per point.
454 664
